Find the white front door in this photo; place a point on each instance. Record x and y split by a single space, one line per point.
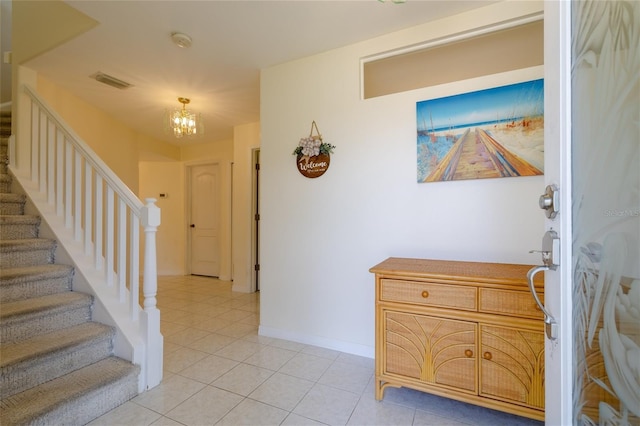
205 219
592 153
557 171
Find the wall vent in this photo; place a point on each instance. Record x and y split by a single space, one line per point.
111 81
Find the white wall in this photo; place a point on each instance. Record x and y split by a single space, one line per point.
114 142
319 237
167 178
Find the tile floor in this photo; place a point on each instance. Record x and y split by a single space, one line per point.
218 371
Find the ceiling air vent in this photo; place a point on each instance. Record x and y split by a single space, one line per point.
111 81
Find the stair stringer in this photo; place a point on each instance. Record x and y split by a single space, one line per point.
107 309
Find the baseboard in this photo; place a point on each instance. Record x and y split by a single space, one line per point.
323 342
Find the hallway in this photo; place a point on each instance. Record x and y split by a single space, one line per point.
217 370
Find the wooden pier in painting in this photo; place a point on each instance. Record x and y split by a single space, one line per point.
476 155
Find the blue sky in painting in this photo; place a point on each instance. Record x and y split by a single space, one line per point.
484 106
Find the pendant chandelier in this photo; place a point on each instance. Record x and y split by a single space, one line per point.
184 122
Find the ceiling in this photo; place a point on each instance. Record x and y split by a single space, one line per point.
220 72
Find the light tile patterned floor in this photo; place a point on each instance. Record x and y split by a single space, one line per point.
218 371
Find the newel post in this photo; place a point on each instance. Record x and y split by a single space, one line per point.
150 217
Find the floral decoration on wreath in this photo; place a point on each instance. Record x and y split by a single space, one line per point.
313 155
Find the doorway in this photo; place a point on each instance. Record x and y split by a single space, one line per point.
204 219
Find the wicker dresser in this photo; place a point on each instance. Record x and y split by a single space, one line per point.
464 330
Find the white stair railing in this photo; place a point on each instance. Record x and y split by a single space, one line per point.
96 219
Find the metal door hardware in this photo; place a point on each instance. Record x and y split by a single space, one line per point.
550 249
549 201
550 261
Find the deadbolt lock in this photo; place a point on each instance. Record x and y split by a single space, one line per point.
549 201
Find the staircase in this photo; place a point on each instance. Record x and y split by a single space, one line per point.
56 365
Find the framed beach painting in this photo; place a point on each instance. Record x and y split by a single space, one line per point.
490 133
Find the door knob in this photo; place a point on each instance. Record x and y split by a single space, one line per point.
193 225
549 201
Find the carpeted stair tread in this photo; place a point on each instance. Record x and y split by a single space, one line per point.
75 398
5 124
34 281
18 219
12 198
5 127
19 227
11 203
27 244
53 343
26 252
34 273
4 165
37 306
24 319
31 362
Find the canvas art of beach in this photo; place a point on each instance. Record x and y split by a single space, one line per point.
491 133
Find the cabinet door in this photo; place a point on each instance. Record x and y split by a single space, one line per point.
512 365
432 350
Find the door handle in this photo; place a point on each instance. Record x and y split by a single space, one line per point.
550 261
550 325
193 225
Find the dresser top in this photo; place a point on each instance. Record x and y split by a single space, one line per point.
458 270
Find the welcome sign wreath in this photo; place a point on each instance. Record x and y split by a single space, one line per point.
313 155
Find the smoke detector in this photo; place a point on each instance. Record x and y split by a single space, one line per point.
181 40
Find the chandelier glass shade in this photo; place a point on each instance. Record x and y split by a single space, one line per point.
183 122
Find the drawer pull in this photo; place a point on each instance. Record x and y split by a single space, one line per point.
487 356
425 294
468 353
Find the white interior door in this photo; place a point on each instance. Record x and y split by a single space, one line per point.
205 220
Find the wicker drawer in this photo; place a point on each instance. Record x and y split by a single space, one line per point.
430 294
507 302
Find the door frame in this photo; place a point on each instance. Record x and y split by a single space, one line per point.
255 227
559 374
225 224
